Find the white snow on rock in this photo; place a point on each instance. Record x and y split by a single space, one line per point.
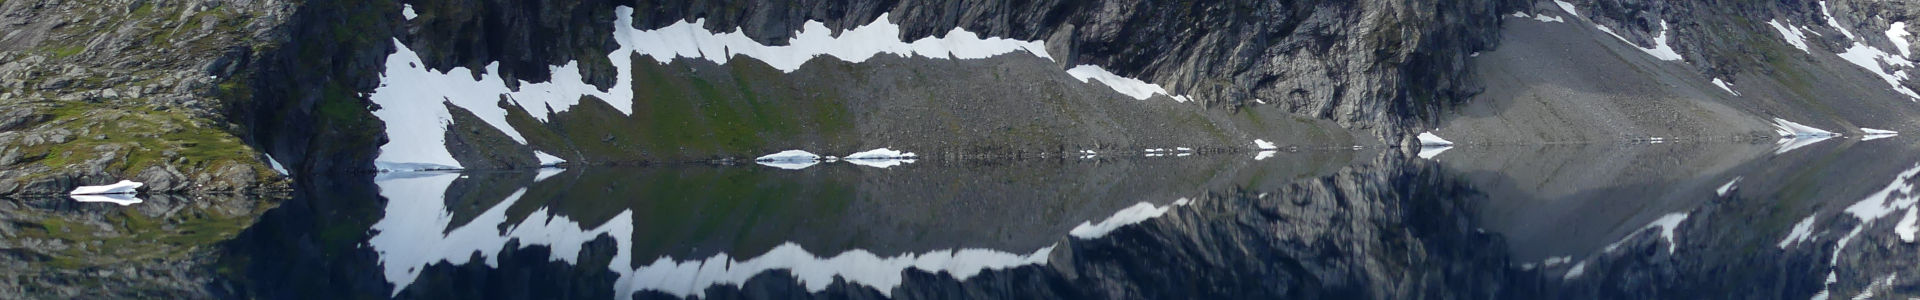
1568 7
1139 90
413 98
1871 131
121 199
1728 187
881 158
1790 129
881 153
275 164
1549 19
1263 145
1429 139
1661 50
406 10
1793 35
1898 34
122 187
1835 23
1724 86
790 159
548 160
1137 213
1801 232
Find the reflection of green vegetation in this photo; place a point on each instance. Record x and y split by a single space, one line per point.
128 235
676 205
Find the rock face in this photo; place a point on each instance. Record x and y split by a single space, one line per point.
93 92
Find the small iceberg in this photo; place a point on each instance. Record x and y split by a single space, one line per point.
881 158
123 187
790 159
121 199
1428 139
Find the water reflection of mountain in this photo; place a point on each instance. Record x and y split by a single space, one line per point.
1647 221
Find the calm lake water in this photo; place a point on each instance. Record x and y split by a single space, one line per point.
1668 220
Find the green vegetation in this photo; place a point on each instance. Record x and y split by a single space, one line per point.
139 138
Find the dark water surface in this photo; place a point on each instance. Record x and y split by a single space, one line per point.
1668 220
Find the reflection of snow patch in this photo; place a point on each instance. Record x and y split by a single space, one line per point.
1547 19
1666 223
1137 213
121 199
1263 154
1801 232
1428 152
1576 271
406 10
122 187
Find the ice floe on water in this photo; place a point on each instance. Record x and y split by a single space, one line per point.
121 199
122 187
1793 35
413 100
1140 212
1429 139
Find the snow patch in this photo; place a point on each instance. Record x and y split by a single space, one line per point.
1724 86
790 159
1263 145
275 164
1793 36
1547 19
881 158
1835 23
1790 129
1139 90
1661 50
1429 139
1728 187
122 187
1898 34
548 160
